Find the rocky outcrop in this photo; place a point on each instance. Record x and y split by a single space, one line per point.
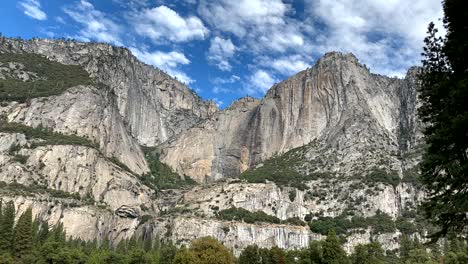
338 104
154 105
84 111
343 121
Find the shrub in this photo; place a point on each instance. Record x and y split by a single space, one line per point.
292 195
162 176
382 176
49 137
54 77
282 170
381 223
241 214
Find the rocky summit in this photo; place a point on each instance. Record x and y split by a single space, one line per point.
111 147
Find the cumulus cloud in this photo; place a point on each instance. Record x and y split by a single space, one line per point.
232 79
166 61
263 25
288 65
32 8
96 26
217 101
387 35
164 24
260 82
220 51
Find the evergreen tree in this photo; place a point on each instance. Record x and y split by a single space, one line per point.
444 93
333 253
168 252
250 255
368 254
23 234
277 255
315 252
6 227
205 250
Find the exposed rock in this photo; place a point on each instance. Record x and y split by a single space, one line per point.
154 105
345 120
354 117
126 211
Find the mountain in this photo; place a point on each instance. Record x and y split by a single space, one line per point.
92 138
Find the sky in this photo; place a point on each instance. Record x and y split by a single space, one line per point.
227 49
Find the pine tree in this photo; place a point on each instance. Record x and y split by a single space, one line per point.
368 254
333 253
6 227
444 93
23 234
250 255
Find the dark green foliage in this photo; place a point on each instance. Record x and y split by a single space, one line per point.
281 170
382 176
332 251
23 234
380 223
250 255
368 254
205 250
7 222
19 189
294 221
49 137
162 176
54 78
292 195
406 227
241 214
444 110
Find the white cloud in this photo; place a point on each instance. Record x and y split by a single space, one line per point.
32 8
263 25
162 23
230 80
289 65
386 35
220 51
260 82
218 102
166 61
239 16
95 24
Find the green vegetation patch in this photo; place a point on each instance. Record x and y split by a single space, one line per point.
20 189
377 175
241 214
281 170
49 137
162 176
55 77
380 223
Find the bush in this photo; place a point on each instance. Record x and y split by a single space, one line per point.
294 221
20 189
54 77
292 195
382 176
241 214
162 176
49 137
282 170
381 223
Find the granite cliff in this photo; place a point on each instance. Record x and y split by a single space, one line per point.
332 141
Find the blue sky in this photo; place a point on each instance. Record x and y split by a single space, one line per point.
227 49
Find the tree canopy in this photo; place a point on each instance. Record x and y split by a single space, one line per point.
444 111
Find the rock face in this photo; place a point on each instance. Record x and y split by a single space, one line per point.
343 121
337 103
154 105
